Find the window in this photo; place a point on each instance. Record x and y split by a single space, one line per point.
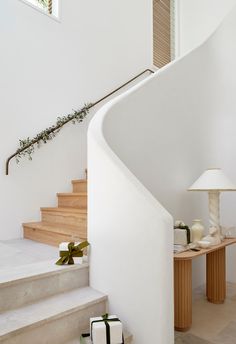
163 32
46 5
49 7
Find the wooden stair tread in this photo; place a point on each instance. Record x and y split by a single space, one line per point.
65 221
64 210
49 226
79 181
53 234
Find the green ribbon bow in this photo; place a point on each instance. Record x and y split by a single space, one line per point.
73 251
105 318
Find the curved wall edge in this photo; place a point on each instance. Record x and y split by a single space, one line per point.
144 150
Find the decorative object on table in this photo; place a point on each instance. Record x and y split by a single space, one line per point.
229 232
197 231
214 236
106 329
193 245
214 181
70 250
180 248
204 244
181 233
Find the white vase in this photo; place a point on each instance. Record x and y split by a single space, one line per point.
197 231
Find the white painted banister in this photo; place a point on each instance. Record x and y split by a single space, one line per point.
149 144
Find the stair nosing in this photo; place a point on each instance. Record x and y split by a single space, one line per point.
75 181
51 225
72 194
64 209
49 318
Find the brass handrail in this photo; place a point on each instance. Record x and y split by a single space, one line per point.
61 125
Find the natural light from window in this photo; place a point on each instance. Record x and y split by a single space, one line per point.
50 7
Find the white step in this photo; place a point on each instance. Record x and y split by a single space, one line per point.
127 340
57 319
29 283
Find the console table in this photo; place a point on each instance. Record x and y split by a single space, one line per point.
215 280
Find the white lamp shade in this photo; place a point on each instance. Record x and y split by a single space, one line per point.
213 179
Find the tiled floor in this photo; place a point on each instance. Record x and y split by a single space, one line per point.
212 324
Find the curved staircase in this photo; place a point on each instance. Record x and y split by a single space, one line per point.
44 303
40 301
67 222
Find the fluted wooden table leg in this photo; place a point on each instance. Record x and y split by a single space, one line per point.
216 276
183 294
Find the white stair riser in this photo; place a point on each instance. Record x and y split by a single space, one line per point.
18 293
59 330
128 339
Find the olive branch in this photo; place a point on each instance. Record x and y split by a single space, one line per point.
27 146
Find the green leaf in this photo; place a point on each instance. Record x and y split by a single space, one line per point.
49 133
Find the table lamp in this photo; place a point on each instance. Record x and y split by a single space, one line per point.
214 181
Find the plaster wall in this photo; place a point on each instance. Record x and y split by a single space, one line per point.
146 148
48 68
197 19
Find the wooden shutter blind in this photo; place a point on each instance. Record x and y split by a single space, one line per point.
162 27
50 6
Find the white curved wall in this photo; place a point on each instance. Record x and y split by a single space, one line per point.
197 19
155 140
129 232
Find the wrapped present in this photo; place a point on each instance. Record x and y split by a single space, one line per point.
181 233
69 250
106 329
180 237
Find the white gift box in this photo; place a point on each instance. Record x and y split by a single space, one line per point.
180 236
63 246
98 331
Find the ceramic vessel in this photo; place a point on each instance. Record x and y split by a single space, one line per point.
197 231
204 244
214 236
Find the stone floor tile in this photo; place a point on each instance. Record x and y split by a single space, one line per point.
179 334
212 323
209 319
228 335
191 339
